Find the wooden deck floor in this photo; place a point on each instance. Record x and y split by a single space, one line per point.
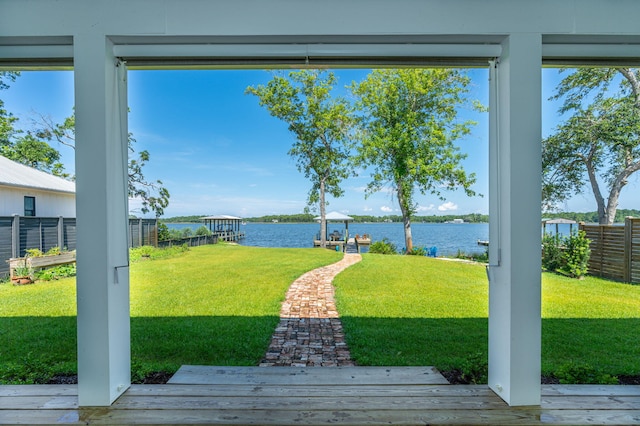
314 396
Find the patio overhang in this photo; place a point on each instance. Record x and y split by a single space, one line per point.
100 39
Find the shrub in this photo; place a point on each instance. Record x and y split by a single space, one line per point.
163 232
33 252
383 247
417 251
54 251
575 259
551 252
203 231
573 373
476 257
569 255
475 369
56 272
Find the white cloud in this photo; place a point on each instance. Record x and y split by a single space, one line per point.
448 206
367 209
428 208
386 209
358 188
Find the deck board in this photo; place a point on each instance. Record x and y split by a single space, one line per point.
363 397
202 375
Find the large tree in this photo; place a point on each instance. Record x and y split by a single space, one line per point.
321 126
152 194
35 153
409 123
600 141
33 149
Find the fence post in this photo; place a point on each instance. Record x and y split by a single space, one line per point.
60 232
15 236
140 230
155 234
628 239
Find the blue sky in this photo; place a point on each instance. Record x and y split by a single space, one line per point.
219 152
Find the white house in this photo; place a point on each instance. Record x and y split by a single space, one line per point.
26 191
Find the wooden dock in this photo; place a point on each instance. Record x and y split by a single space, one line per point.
319 395
357 243
229 236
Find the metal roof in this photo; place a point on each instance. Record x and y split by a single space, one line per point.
335 216
21 176
221 217
558 220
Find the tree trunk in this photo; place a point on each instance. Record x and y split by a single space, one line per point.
612 207
595 187
408 239
406 220
323 217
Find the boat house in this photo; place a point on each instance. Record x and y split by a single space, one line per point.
340 240
226 228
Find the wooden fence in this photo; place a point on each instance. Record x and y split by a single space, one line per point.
615 250
198 240
19 233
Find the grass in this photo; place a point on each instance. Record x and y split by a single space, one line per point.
405 310
219 305
215 305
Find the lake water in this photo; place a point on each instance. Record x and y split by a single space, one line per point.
447 237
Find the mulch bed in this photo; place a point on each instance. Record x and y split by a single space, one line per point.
454 377
154 378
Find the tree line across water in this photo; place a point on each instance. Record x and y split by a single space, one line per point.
589 217
592 217
310 218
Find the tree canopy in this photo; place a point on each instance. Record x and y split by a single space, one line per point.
408 125
33 149
35 153
6 118
599 142
153 195
321 125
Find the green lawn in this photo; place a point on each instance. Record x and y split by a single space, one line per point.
215 305
219 305
405 310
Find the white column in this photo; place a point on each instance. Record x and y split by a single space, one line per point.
104 356
514 227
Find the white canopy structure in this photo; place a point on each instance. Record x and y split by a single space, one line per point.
558 221
222 223
336 216
101 39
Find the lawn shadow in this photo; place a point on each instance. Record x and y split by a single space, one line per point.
35 348
608 345
38 346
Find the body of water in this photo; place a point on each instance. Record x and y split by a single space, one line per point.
447 237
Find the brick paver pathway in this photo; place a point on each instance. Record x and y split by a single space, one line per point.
310 331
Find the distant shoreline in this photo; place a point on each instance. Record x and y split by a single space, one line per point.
587 217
